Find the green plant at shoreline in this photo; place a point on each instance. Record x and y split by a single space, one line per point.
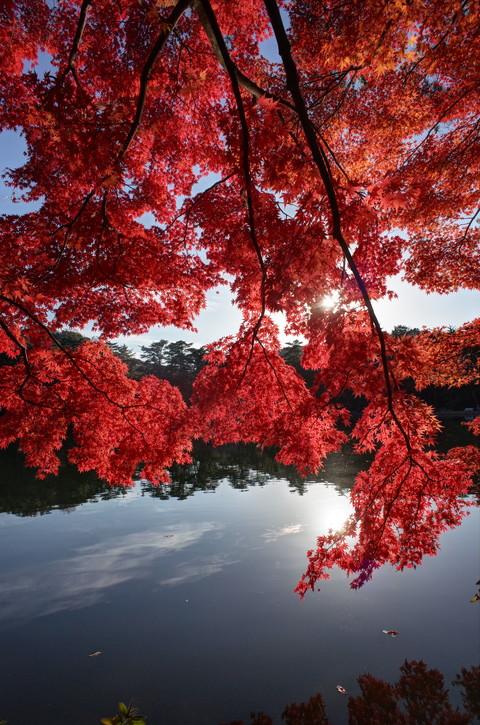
127 715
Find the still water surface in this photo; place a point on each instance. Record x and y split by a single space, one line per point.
188 595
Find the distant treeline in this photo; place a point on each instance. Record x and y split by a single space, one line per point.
180 362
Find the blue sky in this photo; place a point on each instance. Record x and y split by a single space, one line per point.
413 307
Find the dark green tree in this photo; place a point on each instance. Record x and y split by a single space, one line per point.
126 355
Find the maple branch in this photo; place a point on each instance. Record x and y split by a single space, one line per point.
434 47
231 69
70 67
362 515
433 128
167 26
467 229
193 201
122 407
293 84
16 342
256 90
70 224
78 34
218 49
277 377
373 545
65 350
28 368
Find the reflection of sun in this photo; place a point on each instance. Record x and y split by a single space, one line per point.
335 518
334 515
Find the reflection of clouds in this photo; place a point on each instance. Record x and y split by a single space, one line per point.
82 580
187 573
274 534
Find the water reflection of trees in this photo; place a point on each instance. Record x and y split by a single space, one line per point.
419 697
22 494
242 466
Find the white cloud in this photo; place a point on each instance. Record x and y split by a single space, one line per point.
84 578
200 569
275 534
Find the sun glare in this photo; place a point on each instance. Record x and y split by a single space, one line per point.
329 302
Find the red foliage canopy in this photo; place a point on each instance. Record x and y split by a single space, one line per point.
364 124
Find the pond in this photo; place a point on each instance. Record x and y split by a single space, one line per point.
187 594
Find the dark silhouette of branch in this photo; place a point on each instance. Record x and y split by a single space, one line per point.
467 228
253 87
277 376
28 368
82 20
167 26
293 84
122 407
231 69
442 38
193 201
11 336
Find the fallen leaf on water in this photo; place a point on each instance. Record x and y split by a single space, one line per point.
391 632
95 654
475 598
341 690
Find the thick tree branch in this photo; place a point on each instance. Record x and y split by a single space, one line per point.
293 84
253 88
167 27
217 48
82 21
231 69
